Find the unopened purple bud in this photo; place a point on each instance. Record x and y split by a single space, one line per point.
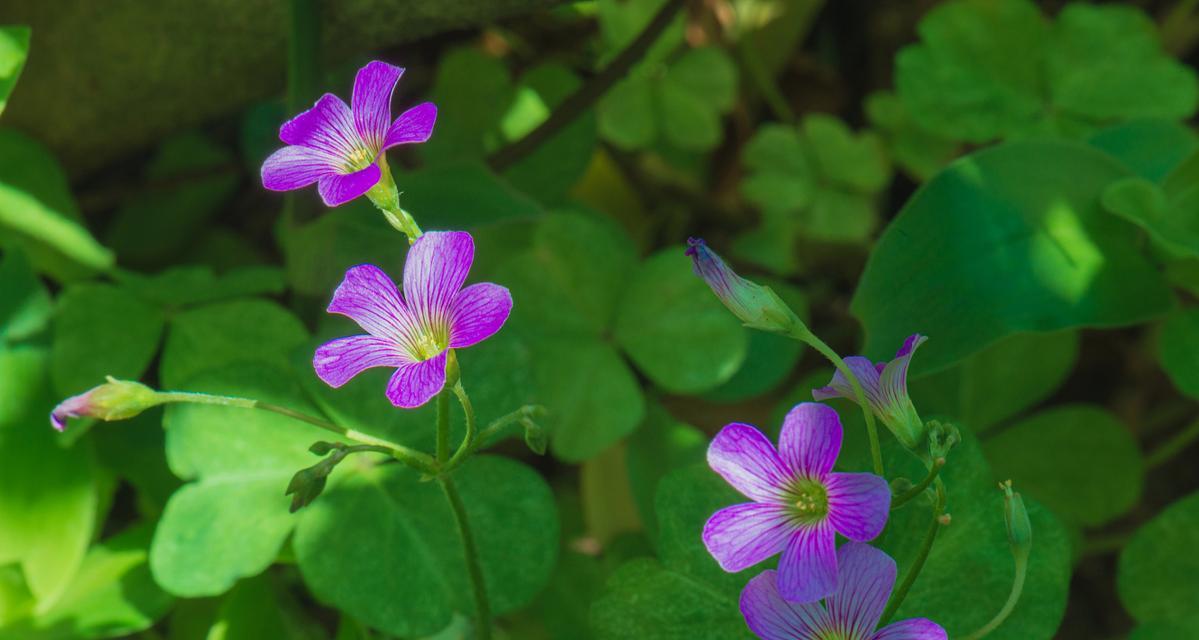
113 400
755 305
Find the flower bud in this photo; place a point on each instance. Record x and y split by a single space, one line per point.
113 400
1015 517
755 305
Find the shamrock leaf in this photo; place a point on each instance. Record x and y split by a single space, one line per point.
14 48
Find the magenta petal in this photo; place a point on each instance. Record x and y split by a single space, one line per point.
477 313
328 126
339 360
808 568
810 439
371 101
416 383
337 189
748 461
839 386
772 618
414 125
858 504
914 629
893 382
743 535
295 168
434 271
367 296
866 576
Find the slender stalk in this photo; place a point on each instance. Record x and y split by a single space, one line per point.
1010 605
413 458
1173 446
930 537
579 101
908 495
766 85
471 552
876 454
443 427
468 440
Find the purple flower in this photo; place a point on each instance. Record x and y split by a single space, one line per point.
851 613
413 333
886 388
755 305
799 504
338 147
114 400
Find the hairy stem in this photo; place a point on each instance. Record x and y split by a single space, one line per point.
908 495
930 537
470 551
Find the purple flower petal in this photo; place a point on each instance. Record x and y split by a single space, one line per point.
371 100
477 313
296 167
772 618
810 439
415 383
328 126
743 535
914 629
434 271
367 296
808 568
748 461
858 504
839 387
337 189
74 407
414 125
339 360
893 382
866 577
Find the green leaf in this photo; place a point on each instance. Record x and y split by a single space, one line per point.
259 608
998 382
1158 574
1026 210
971 560
675 330
621 21
458 196
227 332
188 285
658 447
346 544
36 207
14 48
472 91
1167 629
770 357
1172 222
1077 460
318 254
627 117
43 483
695 90
918 150
234 513
112 595
1178 349
1150 147
102 330
25 306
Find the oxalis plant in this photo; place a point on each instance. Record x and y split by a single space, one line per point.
798 505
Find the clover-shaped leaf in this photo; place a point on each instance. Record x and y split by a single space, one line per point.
14 48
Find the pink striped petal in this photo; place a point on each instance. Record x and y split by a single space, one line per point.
839 387
339 360
368 297
772 618
337 189
866 577
371 101
416 383
414 125
858 504
808 568
914 629
295 168
811 439
743 535
328 126
478 312
893 382
748 461
436 267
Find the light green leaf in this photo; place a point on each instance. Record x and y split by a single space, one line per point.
227 332
627 116
855 162
349 543
1026 210
1077 460
102 330
188 285
770 357
621 21
1158 574
14 49
1150 147
1172 222
675 330
25 306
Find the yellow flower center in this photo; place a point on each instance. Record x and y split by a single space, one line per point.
359 159
810 499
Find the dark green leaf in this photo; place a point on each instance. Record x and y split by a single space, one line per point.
1158 576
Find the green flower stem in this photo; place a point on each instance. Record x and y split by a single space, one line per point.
471 552
468 441
1012 599
908 495
443 427
386 198
420 461
802 334
1172 447
930 537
